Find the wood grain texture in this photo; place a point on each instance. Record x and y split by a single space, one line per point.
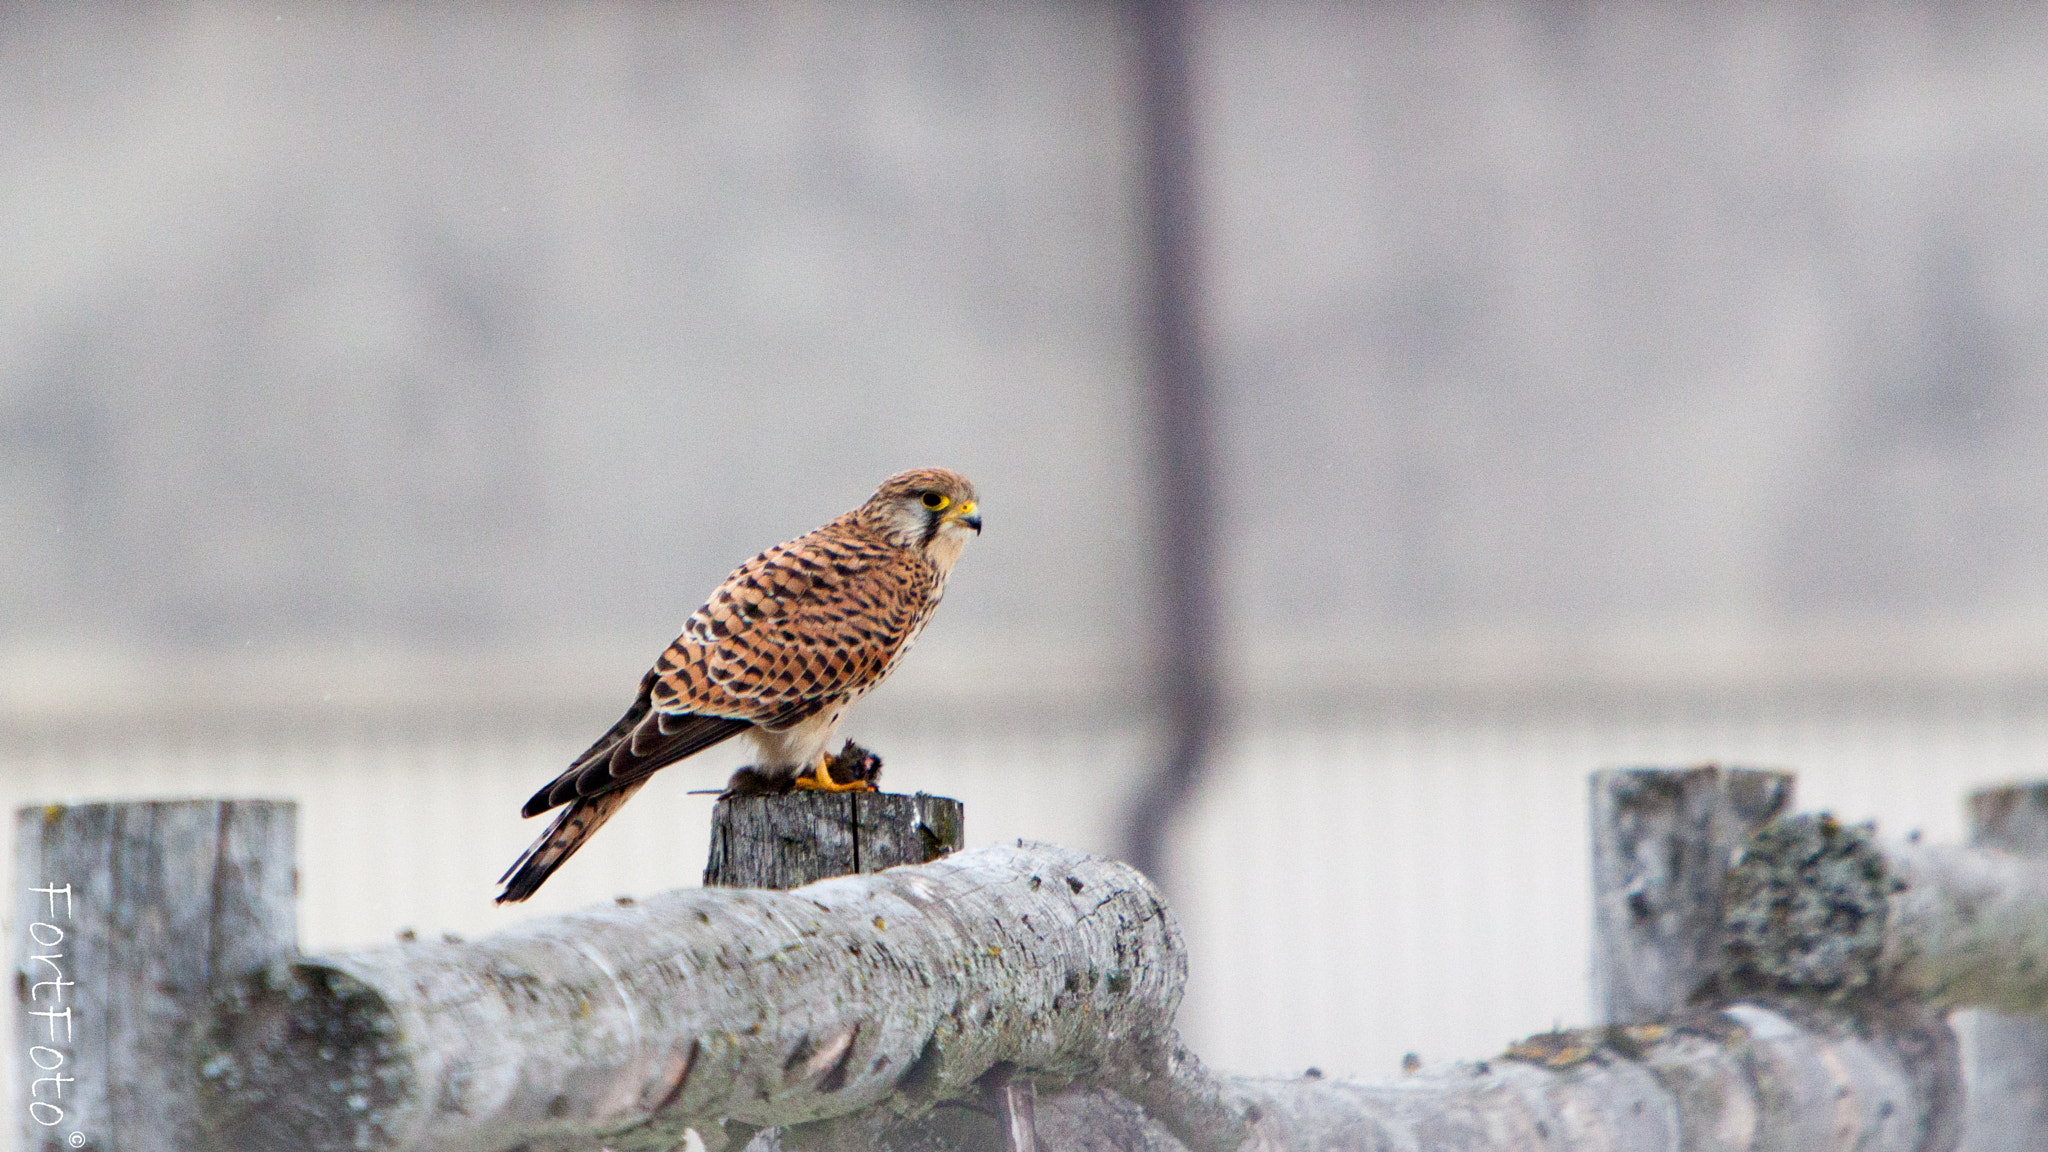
799 838
627 1024
1753 1077
2005 1058
860 1012
1082 1119
1750 1078
168 903
1663 840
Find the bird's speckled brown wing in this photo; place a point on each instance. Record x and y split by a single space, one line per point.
800 627
795 630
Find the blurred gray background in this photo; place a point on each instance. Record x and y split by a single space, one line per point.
381 386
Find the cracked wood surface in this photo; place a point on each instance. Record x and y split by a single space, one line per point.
787 841
628 1024
851 1013
1751 1078
146 910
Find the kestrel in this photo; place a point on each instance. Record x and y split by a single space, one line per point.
782 649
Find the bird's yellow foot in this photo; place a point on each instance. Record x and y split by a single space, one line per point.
819 779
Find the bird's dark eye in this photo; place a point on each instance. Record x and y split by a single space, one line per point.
935 500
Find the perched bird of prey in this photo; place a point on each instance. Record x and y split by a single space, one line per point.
782 649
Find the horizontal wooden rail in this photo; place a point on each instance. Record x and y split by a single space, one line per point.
702 1005
1752 1077
1749 1078
850 1012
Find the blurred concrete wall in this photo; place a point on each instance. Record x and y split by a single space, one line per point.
1557 343
473 329
1639 337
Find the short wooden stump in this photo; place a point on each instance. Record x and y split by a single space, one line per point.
790 840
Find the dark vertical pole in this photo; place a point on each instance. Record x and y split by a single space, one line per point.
1178 392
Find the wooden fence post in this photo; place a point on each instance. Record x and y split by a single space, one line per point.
1662 843
791 840
2005 1058
128 917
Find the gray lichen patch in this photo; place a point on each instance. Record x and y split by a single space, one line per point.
302 1056
1805 910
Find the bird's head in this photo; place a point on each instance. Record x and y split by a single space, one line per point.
931 509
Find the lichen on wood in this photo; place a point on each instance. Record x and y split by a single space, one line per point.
1823 909
627 1024
1662 843
1806 909
1751 1077
881 1011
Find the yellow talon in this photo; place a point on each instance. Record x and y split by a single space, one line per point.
819 779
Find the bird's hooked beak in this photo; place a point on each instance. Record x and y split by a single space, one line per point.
965 513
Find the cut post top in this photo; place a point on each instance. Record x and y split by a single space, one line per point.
793 839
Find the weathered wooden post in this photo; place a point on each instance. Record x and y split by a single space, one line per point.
128 918
1662 843
2005 1058
797 838
792 840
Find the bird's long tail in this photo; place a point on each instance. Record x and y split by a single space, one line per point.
571 828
